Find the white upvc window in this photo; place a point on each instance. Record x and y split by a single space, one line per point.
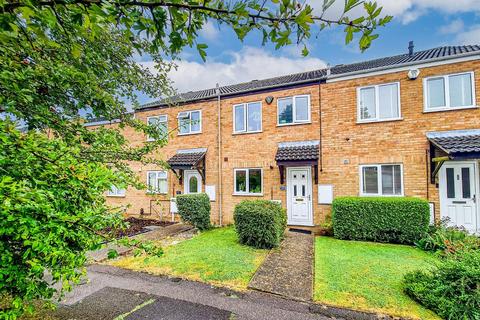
161 122
247 117
116 192
378 102
157 182
189 122
248 181
381 180
293 110
449 92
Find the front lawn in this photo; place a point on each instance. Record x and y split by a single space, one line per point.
367 276
214 256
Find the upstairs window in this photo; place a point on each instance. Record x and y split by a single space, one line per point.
248 181
190 122
157 182
247 117
381 180
379 102
293 110
159 122
448 92
116 192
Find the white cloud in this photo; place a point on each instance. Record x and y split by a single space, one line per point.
453 27
210 31
408 11
245 65
470 36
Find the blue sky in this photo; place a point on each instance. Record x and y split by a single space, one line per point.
429 23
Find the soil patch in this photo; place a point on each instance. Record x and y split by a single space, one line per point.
136 226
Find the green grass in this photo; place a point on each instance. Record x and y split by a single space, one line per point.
214 256
367 276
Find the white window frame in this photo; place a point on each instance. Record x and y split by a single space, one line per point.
156 178
245 117
189 112
447 106
116 192
379 180
294 108
247 176
159 116
377 103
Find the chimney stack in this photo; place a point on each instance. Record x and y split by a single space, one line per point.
410 48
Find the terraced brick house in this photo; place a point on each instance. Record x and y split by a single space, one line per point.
406 125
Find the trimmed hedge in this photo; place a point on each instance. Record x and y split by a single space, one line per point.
195 209
381 219
260 223
452 289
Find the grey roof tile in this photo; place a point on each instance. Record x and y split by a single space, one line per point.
316 75
457 141
304 150
186 159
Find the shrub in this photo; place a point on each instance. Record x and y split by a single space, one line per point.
398 220
448 240
195 209
260 223
452 290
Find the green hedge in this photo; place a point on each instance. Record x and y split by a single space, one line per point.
452 289
382 219
195 209
260 223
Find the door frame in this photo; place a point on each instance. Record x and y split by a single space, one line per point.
186 173
443 185
289 197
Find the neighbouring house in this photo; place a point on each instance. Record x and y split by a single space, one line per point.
406 125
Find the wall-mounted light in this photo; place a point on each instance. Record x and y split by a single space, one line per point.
269 99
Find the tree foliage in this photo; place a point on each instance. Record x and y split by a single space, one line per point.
64 60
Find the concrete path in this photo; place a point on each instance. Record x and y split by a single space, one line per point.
157 233
113 292
288 270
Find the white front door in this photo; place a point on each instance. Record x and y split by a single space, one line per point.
193 182
458 185
299 196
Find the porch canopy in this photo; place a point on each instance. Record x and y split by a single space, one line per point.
452 145
188 159
297 154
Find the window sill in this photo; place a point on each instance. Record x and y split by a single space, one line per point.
381 120
115 196
246 132
189 134
248 194
152 193
382 195
443 109
292 124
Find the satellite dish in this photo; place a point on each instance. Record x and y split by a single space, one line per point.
413 74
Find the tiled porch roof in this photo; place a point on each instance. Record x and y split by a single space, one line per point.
301 150
457 141
187 158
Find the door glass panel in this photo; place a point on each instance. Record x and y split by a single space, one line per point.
294 190
466 183
255 180
193 184
370 180
303 190
450 183
367 103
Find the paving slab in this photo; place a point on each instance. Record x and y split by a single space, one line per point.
288 270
